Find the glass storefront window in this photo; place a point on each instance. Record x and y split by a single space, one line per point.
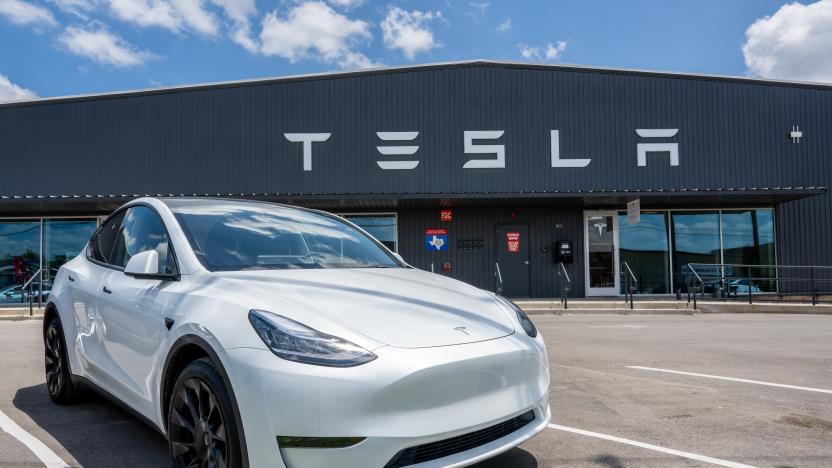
748 239
645 248
695 240
380 226
19 258
20 253
63 239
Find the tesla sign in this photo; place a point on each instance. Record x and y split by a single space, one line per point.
406 157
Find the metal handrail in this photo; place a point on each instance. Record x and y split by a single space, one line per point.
565 287
38 274
696 283
630 283
499 279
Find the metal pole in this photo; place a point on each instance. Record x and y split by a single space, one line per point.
814 289
748 276
40 289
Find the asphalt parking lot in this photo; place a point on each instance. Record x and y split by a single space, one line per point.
627 391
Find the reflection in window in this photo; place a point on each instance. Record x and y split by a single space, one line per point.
748 239
382 227
695 240
63 239
19 258
644 246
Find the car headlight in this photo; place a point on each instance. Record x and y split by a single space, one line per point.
524 320
295 341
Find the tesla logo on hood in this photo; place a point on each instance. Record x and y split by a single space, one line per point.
463 330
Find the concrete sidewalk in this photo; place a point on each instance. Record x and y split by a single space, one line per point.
20 313
668 307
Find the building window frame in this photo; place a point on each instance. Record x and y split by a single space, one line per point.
672 258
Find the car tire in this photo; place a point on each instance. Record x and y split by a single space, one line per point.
202 430
62 390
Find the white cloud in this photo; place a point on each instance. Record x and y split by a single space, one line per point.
193 14
528 52
346 3
504 26
146 13
79 8
551 53
173 15
24 13
409 31
314 30
12 92
102 46
793 43
240 12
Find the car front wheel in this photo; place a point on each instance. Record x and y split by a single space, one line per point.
62 389
202 431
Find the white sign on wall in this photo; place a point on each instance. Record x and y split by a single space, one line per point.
634 211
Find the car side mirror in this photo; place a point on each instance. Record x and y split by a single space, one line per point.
144 265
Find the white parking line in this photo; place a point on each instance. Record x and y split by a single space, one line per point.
732 379
44 453
656 448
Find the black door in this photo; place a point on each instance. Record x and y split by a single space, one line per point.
513 259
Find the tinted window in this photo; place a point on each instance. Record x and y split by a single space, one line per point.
229 235
101 245
382 227
142 230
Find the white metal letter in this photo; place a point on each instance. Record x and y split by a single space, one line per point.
643 148
557 161
397 150
307 139
471 148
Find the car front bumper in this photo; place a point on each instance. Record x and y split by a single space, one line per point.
405 398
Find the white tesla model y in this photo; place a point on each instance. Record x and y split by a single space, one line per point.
252 334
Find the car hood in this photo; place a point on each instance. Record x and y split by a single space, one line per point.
402 307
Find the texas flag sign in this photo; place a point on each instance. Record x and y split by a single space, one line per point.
436 239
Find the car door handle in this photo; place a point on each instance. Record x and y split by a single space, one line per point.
526 262
106 290
69 277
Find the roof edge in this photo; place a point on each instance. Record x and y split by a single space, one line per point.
406 68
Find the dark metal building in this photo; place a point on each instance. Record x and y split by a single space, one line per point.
459 167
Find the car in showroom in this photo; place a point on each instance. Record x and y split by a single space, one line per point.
252 334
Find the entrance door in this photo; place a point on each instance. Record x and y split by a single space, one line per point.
601 234
513 258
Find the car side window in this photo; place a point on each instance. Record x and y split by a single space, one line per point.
142 230
101 244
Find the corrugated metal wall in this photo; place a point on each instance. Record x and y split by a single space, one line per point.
230 140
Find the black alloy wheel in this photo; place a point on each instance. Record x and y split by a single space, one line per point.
59 383
201 429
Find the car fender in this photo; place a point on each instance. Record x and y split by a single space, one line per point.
63 306
195 334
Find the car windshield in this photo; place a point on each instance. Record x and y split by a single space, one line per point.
229 235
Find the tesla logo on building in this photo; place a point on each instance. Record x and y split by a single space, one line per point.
402 156
600 227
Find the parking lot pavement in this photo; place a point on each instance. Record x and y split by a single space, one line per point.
614 401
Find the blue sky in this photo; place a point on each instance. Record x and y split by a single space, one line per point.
61 47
